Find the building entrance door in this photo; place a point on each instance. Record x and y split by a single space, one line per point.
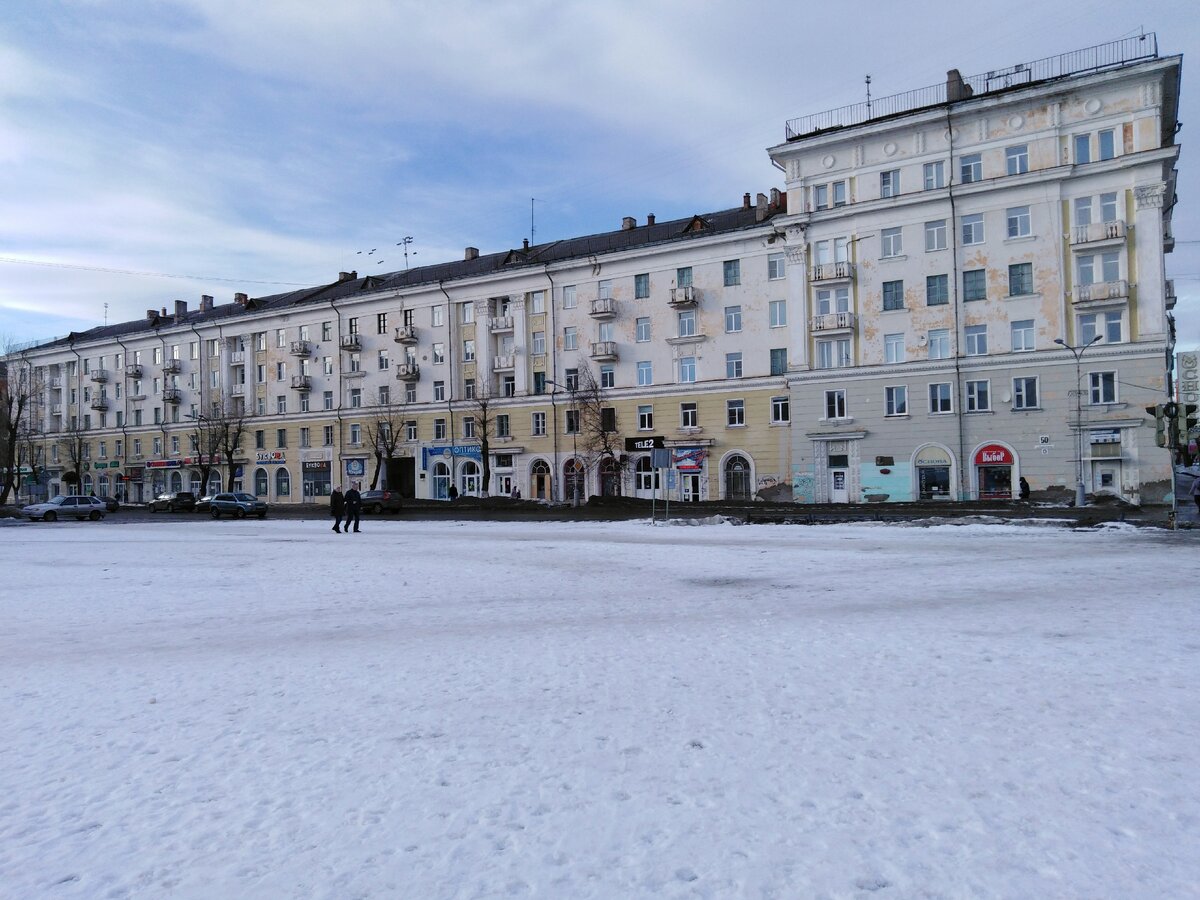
690 487
839 492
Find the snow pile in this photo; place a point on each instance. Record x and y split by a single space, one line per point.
428 710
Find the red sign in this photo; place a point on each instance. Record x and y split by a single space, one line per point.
993 455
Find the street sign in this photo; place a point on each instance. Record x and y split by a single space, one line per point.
660 458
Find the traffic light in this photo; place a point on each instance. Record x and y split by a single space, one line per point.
1187 421
1160 424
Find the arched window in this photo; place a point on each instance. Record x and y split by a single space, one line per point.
87 484
574 482
441 481
610 477
176 481
469 478
214 482
737 478
103 486
194 484
539 478
261 482
645 475
283 482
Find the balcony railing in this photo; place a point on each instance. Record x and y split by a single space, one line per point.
1098 231
172 367
301 348
100 403
237 357
352 343
302 382
237 390
133 370
408 371
406 334
500 323
56 409
99 376
172 395
833 321
500 363
604 308
604 350
1169 293
1105 290
683 296
56 384
836 271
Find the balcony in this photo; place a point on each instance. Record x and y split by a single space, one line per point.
303 349
826 273
500 323
504 363
172 367
1098 233
1105 290
237 357
1169 293
605 351
408 371
354 373
56 409
838 321
352 343
172 395
237 390
100 403
99 376
133 370
683 297
405 334
302 382
56 384
604 308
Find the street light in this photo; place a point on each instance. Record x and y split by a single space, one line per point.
1077 352
574 437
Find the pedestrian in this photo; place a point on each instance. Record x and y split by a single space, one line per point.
337 503
516 493
1024 487
353 506
453 493
1195 492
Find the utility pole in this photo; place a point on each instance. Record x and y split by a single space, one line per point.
1077 352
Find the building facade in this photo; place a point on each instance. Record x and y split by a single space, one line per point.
886 330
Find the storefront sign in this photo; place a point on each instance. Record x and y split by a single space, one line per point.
933 456
993 455
270 457
689 459
356 468
470 451
163 464
644 443
317 466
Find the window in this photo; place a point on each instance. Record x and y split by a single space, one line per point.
468 350
280 438
642 333
893 295
305 437
1025 393
604 289
1108 207
939 398
608 377
889 183
1018 222
1083 148
689 417
937 290
687 323
970 168
1108 325
645 418
382 359
280 338
735 413
280 371
687 369
439 390
839 193
381 323
327 365
384 395
305 403
466 313
439 353
776 266
896 400
733 272
891 241
281 404
410 393
641 286
1022 335
537 303
537 425
508 387
935 235
893 348
435 315
1107 263
777 313
174 446
781 410
468 388
410 430
835 301
570 338
1020 279
835 404
355 398
1107 144
779 360
572 379
352 325
439 429
821 196
503 429
935 175
1103 387
733 319
355 435
571 421
1016 159
733 365
939 343
832 354
976 336
972 229
683 277
468 426
974 285
327 397
978 397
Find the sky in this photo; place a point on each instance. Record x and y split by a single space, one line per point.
157 151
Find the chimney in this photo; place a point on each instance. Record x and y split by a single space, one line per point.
525 244
346 276
180 309
760 209
774 198
628 223
152 316
164 312
649 220
746 200
956 88
206 303
471 253
239 299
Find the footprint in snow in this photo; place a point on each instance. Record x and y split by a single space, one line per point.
871 884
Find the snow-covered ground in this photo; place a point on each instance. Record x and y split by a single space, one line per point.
427 710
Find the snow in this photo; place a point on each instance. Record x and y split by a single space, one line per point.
426 710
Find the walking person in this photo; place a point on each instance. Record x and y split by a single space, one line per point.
353 506
337 503
1024 485
1195 492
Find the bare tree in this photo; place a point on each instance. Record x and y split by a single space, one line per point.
18 393
385 431
482 408
228 423
71 446
598 431
207 440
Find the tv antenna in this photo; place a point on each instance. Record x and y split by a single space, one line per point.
404 243
868 96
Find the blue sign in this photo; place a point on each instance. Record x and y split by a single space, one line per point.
470 451
356 468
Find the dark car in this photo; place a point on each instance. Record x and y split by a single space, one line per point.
381 501
238 504
178 501
112 504
204 503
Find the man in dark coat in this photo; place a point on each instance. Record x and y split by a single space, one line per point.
337 503
353 506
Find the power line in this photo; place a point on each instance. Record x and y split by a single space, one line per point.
55 265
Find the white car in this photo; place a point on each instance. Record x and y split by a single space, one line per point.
76 505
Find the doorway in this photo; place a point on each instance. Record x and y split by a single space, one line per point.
839 490
689 487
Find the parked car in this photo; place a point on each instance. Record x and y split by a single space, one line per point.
238 505
381 501
76 505
203 504
111 504
179 501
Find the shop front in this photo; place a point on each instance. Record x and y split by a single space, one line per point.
317 479
994 465
933 466
689 463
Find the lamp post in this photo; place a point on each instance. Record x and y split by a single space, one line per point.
1077 352
574 438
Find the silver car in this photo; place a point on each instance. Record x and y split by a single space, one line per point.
76 505
238 504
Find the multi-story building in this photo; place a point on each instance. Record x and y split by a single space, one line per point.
887 329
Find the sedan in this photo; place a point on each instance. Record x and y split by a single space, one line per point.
204 504
178 501
381 501
76 505
238 505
